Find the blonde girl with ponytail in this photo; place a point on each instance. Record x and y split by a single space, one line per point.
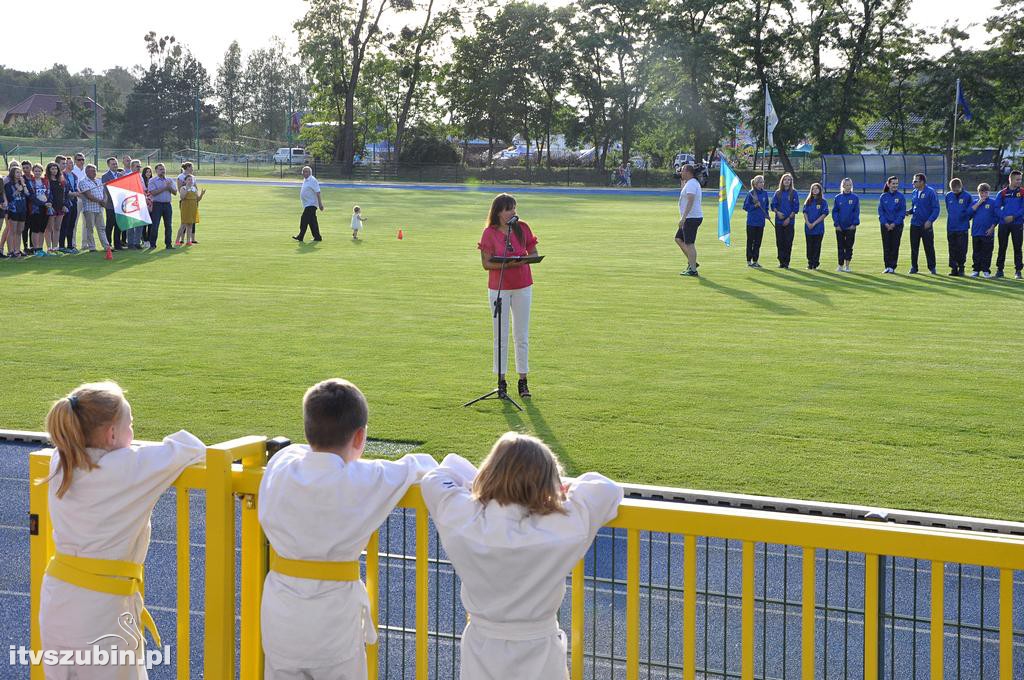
102 490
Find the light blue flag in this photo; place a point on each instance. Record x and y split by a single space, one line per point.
729 187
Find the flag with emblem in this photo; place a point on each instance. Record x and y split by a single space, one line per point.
128 198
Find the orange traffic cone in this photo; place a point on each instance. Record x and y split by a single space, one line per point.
109 255
399 234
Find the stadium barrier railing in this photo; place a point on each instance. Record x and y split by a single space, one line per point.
615 590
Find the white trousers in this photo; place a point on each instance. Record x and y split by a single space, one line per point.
515 307
90 221
352 669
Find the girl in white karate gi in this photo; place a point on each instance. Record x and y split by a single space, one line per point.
318 505
102 490
513 533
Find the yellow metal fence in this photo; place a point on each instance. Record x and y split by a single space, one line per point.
233 471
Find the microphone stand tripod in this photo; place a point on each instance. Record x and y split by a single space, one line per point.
499 392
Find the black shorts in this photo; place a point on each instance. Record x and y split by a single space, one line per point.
688 232
37 222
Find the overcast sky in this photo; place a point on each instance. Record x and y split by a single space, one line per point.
209 29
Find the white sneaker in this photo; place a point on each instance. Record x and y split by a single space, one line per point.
847 269
973 275
986 275
887 271
840 268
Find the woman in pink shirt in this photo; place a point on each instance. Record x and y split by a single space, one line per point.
506 235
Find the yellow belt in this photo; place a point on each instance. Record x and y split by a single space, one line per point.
115 577
320 571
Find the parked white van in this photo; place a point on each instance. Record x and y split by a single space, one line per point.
297 155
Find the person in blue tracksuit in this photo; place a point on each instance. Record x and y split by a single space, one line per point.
892 210
846 219
815 211
959 205
923 213
786 206
984 220
1010 203
757 205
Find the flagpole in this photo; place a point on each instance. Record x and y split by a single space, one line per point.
956 114
764 152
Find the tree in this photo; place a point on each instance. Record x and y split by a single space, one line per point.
589 82
161 109
627 29
857 31
267 90
696 84
333 40
474 85
230 89
412 50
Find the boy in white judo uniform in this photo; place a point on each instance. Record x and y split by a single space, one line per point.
513 533
319 504
101 494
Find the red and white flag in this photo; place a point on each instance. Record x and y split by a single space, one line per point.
129 201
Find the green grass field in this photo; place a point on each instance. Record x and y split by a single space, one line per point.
894 391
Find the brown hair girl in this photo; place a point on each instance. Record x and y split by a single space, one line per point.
521 470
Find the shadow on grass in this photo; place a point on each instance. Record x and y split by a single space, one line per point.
535 424
751 298
812 294
85 265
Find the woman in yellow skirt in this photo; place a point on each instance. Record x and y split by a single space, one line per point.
189 211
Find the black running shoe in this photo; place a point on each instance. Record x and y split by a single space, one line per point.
524 389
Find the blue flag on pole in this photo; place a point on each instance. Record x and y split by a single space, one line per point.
962 101
729 187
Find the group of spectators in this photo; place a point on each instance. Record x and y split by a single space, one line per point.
42 205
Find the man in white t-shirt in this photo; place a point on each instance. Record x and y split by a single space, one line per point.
690 217
311 200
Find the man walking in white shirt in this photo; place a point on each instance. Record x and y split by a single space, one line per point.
311 200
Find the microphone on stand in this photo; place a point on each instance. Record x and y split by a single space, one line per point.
512 221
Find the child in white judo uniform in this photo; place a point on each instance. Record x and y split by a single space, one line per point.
318 505
102 490
513 533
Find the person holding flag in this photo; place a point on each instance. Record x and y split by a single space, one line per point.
128 201
756 206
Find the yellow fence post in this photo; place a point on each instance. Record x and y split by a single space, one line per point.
577 621
747 612
808 612
422 587
1005 624
183 586
373 590
40 544
219 644
690 608
938 632
254 572
870 617
632 604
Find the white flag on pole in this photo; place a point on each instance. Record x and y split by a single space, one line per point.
771 118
